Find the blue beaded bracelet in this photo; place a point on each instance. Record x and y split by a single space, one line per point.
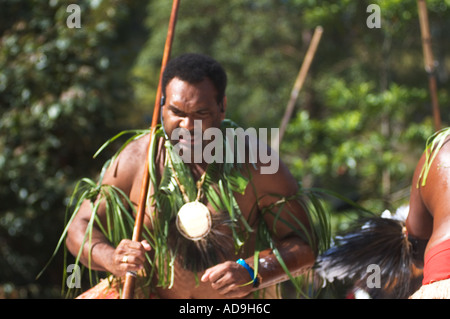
250 271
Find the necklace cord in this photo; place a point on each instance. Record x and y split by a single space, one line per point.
199 185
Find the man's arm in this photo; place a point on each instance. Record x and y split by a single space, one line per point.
419 222
295 252
229 278
428 218
99 254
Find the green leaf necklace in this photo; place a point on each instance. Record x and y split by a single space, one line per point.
193 219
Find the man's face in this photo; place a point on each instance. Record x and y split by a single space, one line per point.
186 103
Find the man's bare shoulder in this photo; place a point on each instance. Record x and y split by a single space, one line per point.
136 150
129 162
437 162
444 154
280 182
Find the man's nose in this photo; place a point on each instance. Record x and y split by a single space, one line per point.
187 123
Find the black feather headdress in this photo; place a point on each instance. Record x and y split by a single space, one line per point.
376 255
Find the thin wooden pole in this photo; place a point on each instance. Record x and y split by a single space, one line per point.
275 140
429 61
130 278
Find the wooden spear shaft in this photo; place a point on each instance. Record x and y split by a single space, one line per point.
275 142
130 278
429 60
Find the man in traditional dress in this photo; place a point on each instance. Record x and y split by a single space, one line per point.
429 217
193 89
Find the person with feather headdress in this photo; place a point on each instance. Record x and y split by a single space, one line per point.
429 216
212 230
406 249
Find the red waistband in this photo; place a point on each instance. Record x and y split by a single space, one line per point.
437 263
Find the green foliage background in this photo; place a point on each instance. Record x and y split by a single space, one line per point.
360 124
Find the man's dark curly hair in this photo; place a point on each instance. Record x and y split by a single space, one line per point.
194 68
